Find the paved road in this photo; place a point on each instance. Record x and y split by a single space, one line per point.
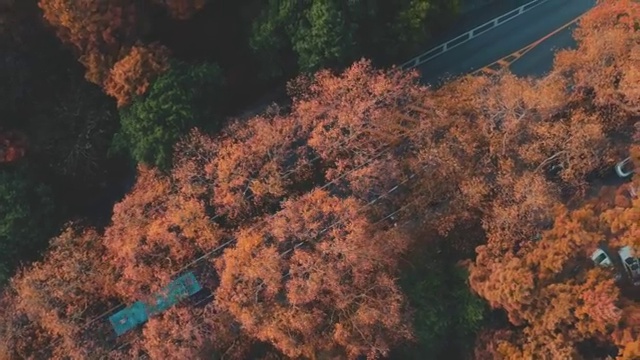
472 19
539 60
511 37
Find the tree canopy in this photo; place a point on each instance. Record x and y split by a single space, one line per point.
337 295
183 97
99 32
373 217
331 33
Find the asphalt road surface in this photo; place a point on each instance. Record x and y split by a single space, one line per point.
510 37
539 60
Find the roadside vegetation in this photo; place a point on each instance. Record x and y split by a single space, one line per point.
370 216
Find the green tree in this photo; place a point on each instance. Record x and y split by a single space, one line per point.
26 219
322 37
447 314
184 97
270 36
413 22
332 33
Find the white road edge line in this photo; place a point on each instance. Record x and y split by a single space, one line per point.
471 34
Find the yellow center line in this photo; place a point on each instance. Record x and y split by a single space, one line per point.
504 63
536 43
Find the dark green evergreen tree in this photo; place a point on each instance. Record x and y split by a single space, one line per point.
27 219
183 97
331 33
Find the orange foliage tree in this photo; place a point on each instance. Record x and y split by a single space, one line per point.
351 129
481 150
20 337
608 55
98 30
190 333
627 335
154 232
338 295
192 169
550 288
132 75
50 298
257 164
362 120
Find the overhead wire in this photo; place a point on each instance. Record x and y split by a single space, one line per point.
214 250
390 215
378 153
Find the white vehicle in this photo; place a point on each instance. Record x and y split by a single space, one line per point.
631 264
601 258
625 168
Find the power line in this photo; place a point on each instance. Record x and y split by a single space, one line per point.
229 242
390 215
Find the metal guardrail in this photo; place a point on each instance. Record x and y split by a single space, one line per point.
475 32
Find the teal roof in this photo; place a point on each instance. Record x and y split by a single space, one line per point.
129 318
139 312
182 287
